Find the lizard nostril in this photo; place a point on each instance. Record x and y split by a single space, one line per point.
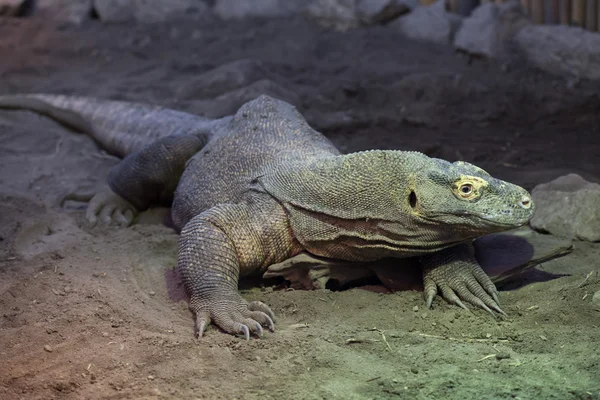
525 202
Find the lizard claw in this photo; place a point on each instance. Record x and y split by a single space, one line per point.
201 323
461 281
234 316
110 208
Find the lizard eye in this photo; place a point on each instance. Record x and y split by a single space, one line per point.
465 189
469 188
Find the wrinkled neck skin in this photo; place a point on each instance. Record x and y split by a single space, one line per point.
372 239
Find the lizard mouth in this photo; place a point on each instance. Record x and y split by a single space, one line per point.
500 221
497 221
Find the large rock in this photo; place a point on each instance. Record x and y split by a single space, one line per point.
489 29
223 79
149 11
561 49
346 14
429 23
236 9
228 103
569 207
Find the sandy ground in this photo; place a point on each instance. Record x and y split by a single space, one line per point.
87 313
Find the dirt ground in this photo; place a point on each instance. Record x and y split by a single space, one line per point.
93 312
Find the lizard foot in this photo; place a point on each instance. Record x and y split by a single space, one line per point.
110 208
461 280
235 316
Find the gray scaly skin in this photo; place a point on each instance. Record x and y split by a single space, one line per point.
261 187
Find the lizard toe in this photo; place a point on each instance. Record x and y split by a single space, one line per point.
464 293
430 290
483 298
106 213
261 318
109 207
262 307
201 323
449 294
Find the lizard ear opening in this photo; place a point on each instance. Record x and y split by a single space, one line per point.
412 199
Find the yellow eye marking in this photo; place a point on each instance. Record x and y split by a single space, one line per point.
469 187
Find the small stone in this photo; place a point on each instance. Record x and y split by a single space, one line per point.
502 356
151 293
150 377
488 335
48 348
105 334
414 370
596 298
424 315
416 308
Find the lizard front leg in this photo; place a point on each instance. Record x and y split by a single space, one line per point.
218 246
457 276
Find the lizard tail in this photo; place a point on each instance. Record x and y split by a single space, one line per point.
119 127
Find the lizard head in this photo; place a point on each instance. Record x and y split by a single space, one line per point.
465 197
380 203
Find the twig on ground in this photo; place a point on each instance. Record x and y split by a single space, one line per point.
586 279
468 340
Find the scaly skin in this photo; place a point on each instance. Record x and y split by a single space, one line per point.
261 187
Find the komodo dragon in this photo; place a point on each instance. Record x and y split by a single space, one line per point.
260 187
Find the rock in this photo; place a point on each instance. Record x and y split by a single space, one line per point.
561 50
228 103
224 78
16 8
149 11
236 9
48 348
429 23
346 14
70 11
489 29
568 207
